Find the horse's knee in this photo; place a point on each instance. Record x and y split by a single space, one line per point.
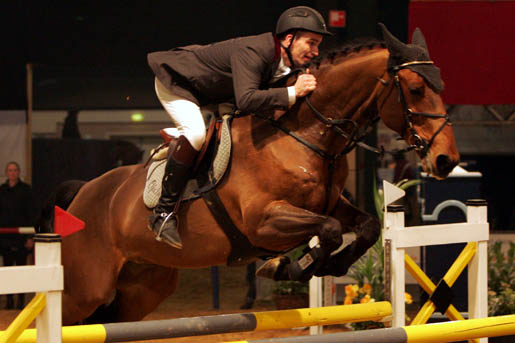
330 235
369 230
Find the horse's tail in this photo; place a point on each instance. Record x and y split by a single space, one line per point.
62 197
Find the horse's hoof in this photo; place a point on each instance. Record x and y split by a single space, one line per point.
273 268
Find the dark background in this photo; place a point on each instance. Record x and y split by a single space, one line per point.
91 54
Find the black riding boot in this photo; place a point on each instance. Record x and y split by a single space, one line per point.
163 222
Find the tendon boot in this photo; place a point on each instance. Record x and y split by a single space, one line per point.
163 221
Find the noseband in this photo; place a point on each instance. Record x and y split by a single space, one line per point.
419 143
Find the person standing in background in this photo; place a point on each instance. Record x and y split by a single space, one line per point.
16 210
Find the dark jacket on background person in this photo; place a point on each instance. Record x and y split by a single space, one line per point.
237 70
16 209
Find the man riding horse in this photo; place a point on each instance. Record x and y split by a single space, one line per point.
239 70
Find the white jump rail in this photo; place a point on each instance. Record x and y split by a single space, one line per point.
46 276
476 229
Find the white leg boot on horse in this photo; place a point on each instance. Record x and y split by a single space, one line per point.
163 221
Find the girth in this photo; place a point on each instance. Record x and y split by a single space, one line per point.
242 251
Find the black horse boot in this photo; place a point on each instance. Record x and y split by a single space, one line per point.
163 221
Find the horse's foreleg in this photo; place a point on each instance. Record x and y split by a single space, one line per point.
140 288
367 229
284 226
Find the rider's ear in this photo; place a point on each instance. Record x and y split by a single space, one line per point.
287 39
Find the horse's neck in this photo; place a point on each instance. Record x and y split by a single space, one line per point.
346 90
346 86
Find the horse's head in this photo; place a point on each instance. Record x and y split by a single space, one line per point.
413 107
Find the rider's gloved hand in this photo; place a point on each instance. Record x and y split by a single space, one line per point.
305 84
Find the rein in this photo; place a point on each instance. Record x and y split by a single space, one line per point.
353 139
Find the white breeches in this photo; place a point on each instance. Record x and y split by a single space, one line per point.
185 114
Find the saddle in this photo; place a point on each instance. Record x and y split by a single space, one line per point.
210 168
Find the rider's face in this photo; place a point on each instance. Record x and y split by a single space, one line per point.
304 47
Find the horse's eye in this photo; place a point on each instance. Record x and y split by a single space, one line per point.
418 91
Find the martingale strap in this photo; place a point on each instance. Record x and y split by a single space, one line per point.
241 249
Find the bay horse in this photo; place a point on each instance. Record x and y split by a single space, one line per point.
280 189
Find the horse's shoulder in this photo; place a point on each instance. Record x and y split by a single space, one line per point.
113 178
125 171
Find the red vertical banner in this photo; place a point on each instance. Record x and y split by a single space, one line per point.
472 43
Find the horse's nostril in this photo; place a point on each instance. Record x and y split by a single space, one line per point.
444 164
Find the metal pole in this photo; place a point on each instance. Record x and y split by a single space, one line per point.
28 126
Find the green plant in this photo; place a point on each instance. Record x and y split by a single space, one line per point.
501 279
369 269
290 288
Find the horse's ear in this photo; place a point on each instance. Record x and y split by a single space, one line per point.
392 43
418 39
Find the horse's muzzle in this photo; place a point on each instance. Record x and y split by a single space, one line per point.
444 165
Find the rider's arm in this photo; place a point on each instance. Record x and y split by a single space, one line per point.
248 69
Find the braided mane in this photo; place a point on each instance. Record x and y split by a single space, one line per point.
347 50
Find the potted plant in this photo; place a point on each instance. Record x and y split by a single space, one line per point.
501 284
291 294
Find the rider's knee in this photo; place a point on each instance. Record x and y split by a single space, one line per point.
195 138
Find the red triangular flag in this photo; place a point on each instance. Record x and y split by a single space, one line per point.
65 224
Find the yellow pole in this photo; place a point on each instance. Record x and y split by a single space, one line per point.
27 316
268 320
450 277
322 315
419 275
461 330
428 333
94 333
428 308
461 262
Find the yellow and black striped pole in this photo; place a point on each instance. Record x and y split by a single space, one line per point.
428 333
216 324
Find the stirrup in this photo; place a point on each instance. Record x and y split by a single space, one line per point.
168 217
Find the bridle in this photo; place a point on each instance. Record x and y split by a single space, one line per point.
419 143
354 138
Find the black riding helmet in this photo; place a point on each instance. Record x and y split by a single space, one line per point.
300 18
